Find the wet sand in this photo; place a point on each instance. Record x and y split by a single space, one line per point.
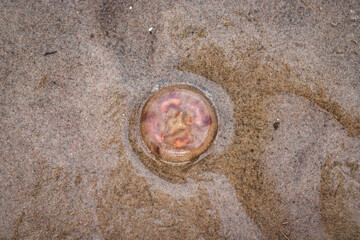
284 80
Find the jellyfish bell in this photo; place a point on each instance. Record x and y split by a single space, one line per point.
178 123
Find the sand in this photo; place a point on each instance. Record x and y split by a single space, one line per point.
284 77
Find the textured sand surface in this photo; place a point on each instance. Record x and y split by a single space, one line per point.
284 77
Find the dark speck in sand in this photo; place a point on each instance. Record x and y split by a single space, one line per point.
49 53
